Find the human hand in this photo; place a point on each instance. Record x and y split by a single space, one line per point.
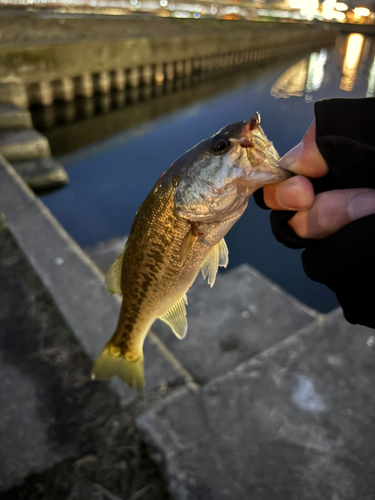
317 216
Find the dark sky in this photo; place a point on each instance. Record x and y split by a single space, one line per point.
356 3
360 3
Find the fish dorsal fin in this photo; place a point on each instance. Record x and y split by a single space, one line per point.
175 318
113 276
217 256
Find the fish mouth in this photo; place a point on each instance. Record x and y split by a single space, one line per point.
245 139
262 165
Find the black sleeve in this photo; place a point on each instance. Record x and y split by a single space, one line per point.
345 262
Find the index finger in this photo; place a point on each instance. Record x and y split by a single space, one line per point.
305 158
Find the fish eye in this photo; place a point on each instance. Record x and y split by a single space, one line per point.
220 145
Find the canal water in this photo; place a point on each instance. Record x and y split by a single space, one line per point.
114 148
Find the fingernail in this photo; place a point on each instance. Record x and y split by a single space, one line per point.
362 204
291 195
291 156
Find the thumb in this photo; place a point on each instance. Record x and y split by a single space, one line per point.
333 210
305 158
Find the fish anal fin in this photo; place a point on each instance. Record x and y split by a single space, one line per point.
112 362
175 318
187 245
217 256
113 276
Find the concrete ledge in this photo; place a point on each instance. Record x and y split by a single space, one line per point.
42 174
13 117
23 145
14 93
29 441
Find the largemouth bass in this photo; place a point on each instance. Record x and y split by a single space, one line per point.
178 231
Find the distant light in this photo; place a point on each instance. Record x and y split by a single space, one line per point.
328 9
197 15
181 14
276 13
213 9
341 6
163 3
340 16
296 4
361 12
134 2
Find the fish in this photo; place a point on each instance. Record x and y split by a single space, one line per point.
178 231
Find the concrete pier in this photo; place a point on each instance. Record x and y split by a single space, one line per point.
87 55
83 85
118 79
27 149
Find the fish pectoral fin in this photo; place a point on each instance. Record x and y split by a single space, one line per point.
217 256
113 276
175 318
187 245
110 364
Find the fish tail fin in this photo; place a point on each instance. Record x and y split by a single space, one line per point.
112 361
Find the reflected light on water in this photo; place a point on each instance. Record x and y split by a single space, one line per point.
315 73
291 82
371 81
304 76
351 61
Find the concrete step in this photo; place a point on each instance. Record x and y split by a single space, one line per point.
243 314
294 422
13 117
23 145
42 174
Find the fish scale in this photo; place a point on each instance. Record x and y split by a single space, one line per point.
159 229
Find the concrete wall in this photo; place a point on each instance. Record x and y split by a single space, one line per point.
63 70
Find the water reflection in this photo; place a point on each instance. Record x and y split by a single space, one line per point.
307 76
315 73
302 78
291 82
371 81
351 61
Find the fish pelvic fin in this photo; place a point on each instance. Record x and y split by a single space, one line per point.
113 362
217 257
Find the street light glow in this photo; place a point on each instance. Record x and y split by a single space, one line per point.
361 12
341 7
